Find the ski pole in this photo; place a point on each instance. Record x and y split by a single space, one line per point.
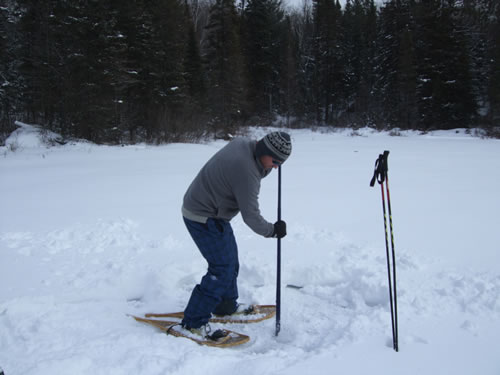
380 174
396 342
278 272
391 298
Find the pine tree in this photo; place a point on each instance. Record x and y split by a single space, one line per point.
114 71
367 84
327 58
195 107
288 79
35 51
359 22
264 33
303 24
132 72
83 35
444 84
395 88
11 84
352 46
150 86
224 68
193 67
494 72
473 19
166 59
65 51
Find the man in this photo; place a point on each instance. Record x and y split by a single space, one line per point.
228 183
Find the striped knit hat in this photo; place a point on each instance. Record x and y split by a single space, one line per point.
276 144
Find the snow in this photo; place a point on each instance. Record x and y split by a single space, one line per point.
89 234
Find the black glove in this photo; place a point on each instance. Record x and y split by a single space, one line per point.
279 229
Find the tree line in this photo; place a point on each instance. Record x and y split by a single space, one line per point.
168 70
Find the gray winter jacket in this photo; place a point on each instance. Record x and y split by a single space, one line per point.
229 183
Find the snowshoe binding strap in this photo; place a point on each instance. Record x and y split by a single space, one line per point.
249 310
217 335
168 331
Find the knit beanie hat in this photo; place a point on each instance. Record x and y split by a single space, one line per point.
276 144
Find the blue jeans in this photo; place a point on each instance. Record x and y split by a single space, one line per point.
218 291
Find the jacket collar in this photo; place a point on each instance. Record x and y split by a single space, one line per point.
263 172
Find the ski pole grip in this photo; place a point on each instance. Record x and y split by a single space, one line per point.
386 165
381 168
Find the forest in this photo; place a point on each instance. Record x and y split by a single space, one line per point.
157 71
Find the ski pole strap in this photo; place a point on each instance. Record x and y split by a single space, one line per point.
381 168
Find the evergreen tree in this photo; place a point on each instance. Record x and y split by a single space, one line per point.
166 66
327 59
303 26
352 46
128 71
359 22
494 71
289 89
66 66
149 55
224 68
194 72
444 84
195 108
395 88
130 75
36 50
11 83
474 20
263 36
83 33
366 88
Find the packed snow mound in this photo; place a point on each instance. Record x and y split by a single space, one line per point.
31 137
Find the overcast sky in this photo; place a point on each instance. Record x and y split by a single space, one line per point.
299 3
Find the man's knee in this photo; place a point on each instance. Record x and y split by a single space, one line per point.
223 273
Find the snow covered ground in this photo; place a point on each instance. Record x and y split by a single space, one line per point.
89 234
